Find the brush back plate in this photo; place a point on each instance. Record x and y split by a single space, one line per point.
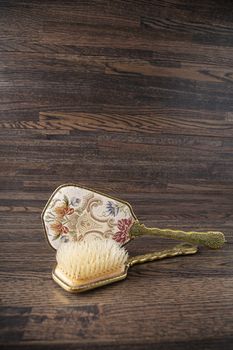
74 212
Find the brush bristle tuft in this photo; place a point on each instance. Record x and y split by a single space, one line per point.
90 259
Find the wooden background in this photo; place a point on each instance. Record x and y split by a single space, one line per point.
133 98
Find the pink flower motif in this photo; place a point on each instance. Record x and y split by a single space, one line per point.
123 226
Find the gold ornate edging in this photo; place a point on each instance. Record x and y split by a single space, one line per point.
87 286
85 188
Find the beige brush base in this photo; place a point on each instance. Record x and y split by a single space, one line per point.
77 286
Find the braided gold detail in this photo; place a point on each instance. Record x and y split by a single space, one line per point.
211 239
181 249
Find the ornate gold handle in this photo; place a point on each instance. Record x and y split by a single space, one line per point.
211 239
181 249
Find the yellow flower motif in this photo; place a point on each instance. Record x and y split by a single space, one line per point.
63 210
58 228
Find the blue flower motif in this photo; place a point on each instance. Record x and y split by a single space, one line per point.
112 208
74 201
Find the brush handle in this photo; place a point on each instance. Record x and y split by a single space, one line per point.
181 249
211 239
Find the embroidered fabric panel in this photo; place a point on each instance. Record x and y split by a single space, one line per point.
76 213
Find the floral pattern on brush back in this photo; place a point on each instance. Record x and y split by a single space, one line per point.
76 213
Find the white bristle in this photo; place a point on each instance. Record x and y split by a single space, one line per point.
89 259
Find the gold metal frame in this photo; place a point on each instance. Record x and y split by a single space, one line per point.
85 188
89 286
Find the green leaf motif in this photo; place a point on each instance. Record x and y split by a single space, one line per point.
56 237
72 233
66 200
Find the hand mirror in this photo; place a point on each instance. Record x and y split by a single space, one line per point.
75 213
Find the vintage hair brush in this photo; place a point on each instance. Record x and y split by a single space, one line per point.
80 223
89 264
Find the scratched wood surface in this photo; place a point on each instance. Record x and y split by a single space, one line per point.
133 98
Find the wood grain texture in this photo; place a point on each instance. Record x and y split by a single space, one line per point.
133 98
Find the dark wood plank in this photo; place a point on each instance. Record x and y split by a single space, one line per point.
135 99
